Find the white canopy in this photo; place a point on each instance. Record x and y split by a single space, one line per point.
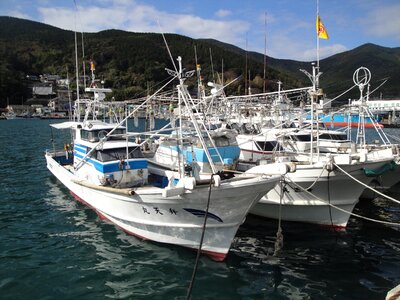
65 125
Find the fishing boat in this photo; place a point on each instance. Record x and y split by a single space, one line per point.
320 191
107 171
331 171
222 147
347 119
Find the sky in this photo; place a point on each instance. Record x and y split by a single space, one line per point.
282 28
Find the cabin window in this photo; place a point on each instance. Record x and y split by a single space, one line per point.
106 155
221 142
340 137
94 136
302 137
269 146
333 137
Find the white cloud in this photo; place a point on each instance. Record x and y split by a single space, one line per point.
127 15
17 14
384 22
324 51
302 48
196 27
223 13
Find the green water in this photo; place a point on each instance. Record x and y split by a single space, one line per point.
55 248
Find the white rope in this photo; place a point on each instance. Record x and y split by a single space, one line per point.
279 236
323 168
393 137
367 186
345 211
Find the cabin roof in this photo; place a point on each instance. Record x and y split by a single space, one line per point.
108 144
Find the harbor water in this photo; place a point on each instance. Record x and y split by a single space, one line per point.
53 247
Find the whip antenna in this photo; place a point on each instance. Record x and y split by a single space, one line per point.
166 44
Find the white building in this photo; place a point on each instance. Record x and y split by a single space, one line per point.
383 106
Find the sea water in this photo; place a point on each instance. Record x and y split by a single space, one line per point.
52 247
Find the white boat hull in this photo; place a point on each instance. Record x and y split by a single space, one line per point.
297 205
176 219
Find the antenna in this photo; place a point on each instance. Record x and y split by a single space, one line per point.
361 78
222 72
169 52
249 83
200 90
212 66
83 47
76 65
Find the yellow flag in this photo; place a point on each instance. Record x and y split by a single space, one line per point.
321 31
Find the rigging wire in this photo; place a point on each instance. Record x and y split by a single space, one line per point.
189 292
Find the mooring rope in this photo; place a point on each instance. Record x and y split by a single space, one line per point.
279 236
367 186
393 137
189 292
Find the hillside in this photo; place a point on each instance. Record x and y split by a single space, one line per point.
133 64
338 69
130 63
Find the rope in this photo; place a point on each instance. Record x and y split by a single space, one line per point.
393 137
367 186
189 292
323 168
279 236
345 211
329 198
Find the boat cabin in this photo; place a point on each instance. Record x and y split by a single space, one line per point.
106 159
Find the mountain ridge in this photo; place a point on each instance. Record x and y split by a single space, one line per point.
133 63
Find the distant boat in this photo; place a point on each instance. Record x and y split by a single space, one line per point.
344 120
10 116
55 115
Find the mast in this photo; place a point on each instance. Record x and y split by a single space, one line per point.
245 71
265 51
83 63
77 78
69 98
321 34
314 92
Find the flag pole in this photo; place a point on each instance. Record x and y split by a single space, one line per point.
317 40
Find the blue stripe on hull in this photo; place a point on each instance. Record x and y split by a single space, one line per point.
114 166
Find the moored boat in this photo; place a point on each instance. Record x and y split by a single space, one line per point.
109 173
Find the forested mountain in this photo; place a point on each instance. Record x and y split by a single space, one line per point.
133 64
383 62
